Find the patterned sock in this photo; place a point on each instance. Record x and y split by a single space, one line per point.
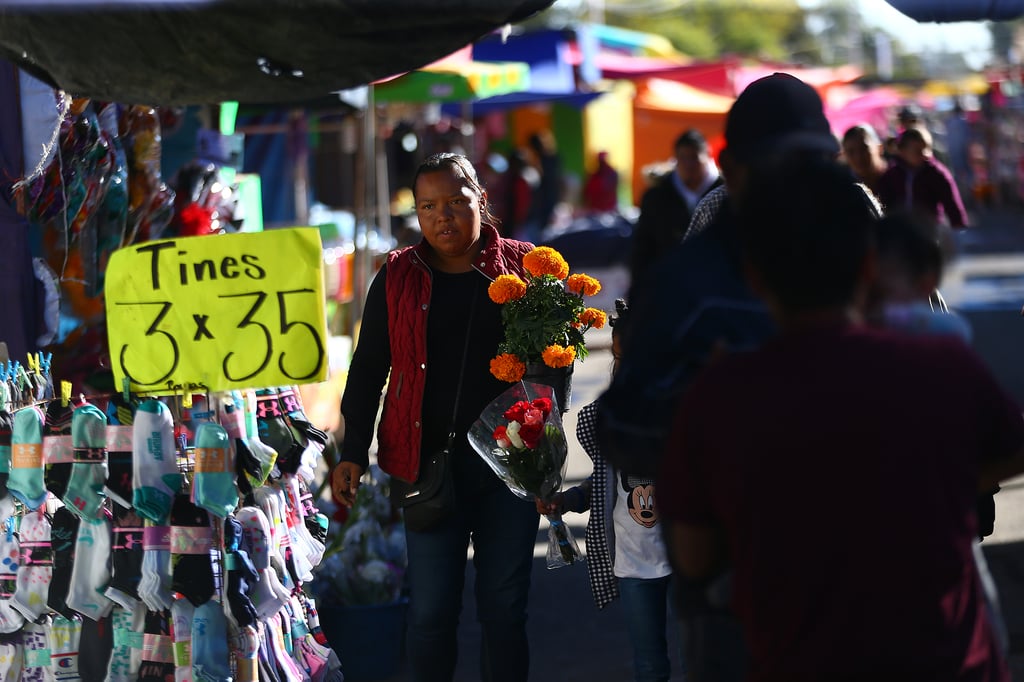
90 574
275 432
58 453
181 629
63 532
26 479
313 438
191 542
36 571
126 560
64 637
156 478
126 656
256 535
245 643
213 486
12 659
36 652
155 584
158 649
10 618
119 454
85 494
210 658
240 573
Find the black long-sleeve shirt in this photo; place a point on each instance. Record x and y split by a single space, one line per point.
451 300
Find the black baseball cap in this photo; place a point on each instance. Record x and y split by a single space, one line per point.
777 113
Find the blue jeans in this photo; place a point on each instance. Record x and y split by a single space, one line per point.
645 602
503 529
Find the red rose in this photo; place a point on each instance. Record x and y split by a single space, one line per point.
531 433
542 404
515 413
533 416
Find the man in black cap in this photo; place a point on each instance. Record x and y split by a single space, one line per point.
697 304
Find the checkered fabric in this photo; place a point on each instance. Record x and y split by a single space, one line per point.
600 540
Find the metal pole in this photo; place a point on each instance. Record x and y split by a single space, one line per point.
383 188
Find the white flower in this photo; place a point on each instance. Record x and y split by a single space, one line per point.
376 571
512 431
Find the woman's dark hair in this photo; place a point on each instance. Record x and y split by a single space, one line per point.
692 138
462 168
806 229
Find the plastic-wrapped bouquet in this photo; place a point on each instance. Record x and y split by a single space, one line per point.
521 438
366 561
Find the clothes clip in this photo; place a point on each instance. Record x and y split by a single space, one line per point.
186 399
33 362
65 393
45 362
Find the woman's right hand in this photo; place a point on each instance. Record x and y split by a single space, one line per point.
552 506
345 481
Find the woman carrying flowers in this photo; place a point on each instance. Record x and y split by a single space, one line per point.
421 307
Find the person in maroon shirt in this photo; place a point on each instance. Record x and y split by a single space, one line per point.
835 469
918 182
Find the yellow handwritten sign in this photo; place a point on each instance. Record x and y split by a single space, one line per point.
218 312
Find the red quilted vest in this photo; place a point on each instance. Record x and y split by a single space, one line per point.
408 299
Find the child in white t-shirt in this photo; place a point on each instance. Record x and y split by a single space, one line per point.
626 555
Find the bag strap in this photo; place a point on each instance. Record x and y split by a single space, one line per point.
462 370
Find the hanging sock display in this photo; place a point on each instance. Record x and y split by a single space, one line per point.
26 478
210 658
64 637
63 532
191 542
36 651
157 649
126 657
90 574
126 560
58 452
155 583
119 454
36 566
181 630
268 594
156 478
213 485
241 574
85 494
10 618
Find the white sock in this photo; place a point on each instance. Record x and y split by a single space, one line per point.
64 636
90 573
155 584
36 653
155 475
245 642
12 659
126 656
11 619
267 597
314 548
182 612
36 568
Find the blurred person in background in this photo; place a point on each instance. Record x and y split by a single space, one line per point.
918 182
601 192
864 154
666 208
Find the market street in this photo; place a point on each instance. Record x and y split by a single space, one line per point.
571 640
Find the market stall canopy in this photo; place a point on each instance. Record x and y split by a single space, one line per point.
960 10
455 80
165 52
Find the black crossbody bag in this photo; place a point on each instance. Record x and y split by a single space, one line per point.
431 499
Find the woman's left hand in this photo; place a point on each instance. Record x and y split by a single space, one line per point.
345 481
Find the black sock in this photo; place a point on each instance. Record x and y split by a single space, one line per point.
126 554
192 574
63 533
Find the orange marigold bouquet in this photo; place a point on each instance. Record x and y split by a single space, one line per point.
545 317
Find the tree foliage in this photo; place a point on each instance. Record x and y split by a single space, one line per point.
706 29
